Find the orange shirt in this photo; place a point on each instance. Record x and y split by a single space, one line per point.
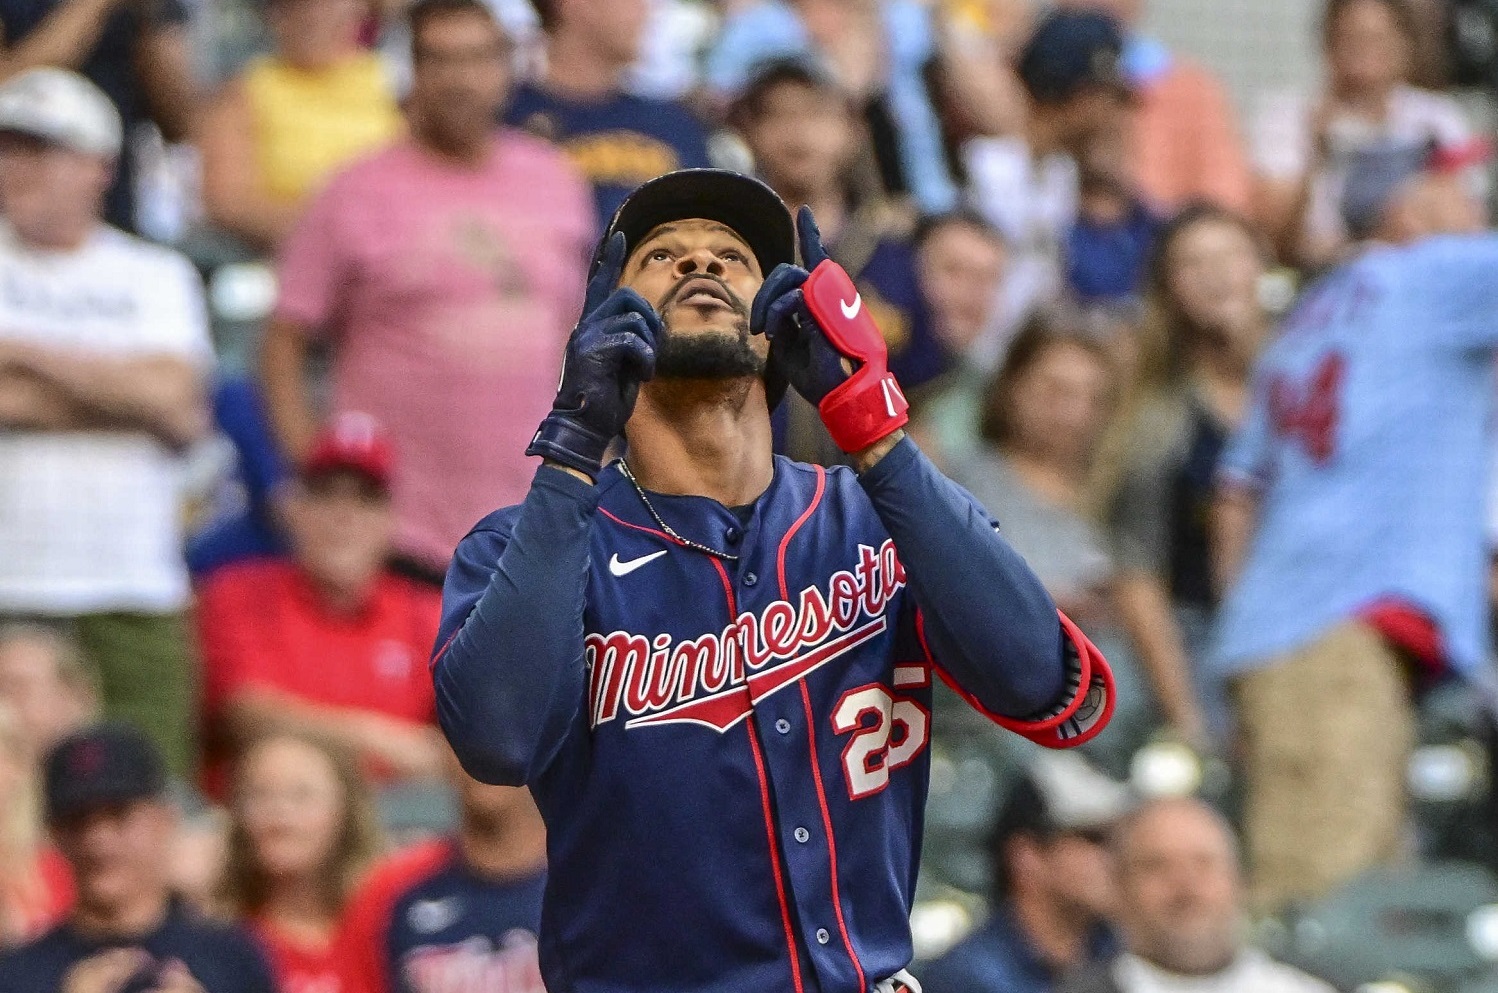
1185 143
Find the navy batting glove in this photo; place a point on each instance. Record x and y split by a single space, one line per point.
799 353
610 352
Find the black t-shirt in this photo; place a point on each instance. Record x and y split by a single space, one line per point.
222 958
110 67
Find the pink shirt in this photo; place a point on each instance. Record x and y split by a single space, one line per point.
448 294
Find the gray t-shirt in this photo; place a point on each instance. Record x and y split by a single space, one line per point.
1064 548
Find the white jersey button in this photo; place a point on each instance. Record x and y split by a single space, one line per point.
750 579
802 834
822 936
783 726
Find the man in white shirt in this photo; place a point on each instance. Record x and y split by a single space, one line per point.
1180 911
103 351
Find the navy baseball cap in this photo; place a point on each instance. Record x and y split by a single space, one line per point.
101 766
1069 51
753 210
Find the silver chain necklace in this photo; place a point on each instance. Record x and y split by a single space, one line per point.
706 550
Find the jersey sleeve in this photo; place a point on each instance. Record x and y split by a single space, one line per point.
508 670
1457 277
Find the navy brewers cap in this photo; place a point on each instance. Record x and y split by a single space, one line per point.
100 766
740 202
1070 51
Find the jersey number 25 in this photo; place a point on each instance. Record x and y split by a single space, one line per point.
888 732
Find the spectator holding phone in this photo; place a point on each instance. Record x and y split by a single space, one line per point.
301 833
107 806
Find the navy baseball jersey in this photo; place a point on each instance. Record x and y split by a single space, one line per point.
425 922
731 754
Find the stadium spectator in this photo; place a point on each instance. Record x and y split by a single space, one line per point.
301 835
1108 247
276 132
1043 416
103 349
804 137
448 306
107 806
1051 885
1349 523
960 264
1180 912
616 139
36 886
879 52
327 640
1026 184
137 53
45 684
1183 142
1205 327
1302 144
459 913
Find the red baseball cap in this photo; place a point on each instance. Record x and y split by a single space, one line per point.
352 442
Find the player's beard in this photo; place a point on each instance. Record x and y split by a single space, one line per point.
722 353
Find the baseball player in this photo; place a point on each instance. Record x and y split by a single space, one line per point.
713 666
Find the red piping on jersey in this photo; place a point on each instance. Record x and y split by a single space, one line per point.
443 650
641 527
785 542
1009 723
811 732
764 801
816 775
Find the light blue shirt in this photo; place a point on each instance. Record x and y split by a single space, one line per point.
1368 443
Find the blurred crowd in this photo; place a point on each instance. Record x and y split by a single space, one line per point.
283 295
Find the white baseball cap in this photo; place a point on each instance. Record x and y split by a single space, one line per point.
61 107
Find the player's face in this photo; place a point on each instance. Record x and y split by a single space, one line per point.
700 277
1179 890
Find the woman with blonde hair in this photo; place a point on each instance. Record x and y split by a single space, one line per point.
36 887
1206 326
302 831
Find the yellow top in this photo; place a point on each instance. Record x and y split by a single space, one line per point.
307 124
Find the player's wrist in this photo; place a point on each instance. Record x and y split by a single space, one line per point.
866 458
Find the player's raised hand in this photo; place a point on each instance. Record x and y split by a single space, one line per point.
823 342
799 352
610 352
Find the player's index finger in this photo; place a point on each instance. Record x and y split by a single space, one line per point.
810 237
606 276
